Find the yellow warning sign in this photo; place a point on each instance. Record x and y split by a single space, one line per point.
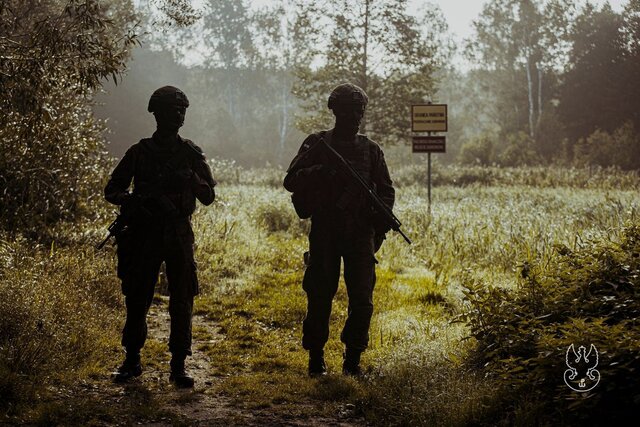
429 118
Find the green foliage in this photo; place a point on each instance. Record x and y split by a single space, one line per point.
251 282
620 148
602 74
557 71
274 216
240 86
518 45
585 295
378 46
249 248
519 151
57 316
532 176
55 55
478 151
226 171
516 150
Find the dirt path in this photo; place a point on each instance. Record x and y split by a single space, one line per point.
152 400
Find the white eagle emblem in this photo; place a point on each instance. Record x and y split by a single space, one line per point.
582 375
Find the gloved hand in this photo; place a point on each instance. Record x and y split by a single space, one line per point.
380 225
315 174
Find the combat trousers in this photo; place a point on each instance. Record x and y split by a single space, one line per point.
328 246
149 247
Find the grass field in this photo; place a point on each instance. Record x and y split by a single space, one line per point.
249 253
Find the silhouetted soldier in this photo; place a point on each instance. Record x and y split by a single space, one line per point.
343 226
168 174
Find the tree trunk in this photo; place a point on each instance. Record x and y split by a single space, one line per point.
364 72
530 93
539 96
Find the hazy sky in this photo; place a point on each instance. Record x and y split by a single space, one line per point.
460 13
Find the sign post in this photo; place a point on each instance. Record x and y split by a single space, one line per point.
429 118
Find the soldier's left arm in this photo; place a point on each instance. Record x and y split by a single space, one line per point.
384 185
202 182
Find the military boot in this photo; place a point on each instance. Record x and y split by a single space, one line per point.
351 363
130 368
178 375
317 367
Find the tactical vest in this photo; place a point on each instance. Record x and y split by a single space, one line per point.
358 153
151 170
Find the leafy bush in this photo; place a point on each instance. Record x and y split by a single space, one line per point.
590 295
620 148
279 215
55 54
478 151
519 150
58 316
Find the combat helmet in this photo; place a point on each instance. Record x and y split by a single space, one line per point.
167 96
347 93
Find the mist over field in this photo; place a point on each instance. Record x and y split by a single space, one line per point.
530 244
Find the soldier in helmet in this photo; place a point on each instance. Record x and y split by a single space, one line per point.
343 227
168 173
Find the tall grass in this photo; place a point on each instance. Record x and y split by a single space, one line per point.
250 249
60 308
58 317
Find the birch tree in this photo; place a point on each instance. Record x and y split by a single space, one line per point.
526 41
283 36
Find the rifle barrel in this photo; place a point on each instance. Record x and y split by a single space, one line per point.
104 242
404 235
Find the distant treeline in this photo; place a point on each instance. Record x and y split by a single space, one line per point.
262 77
550 82
553 81
545 81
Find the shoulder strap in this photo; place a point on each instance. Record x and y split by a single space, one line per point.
328 136
195 150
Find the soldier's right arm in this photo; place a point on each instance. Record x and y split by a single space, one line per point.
304 169
116 191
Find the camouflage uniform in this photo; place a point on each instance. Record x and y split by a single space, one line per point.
159 234
168 176
343 226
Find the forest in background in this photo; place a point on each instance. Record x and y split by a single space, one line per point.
538 82
472 322
550 82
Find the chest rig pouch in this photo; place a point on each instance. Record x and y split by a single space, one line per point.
351 197
159 181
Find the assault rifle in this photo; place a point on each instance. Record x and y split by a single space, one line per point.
115 228
378 204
